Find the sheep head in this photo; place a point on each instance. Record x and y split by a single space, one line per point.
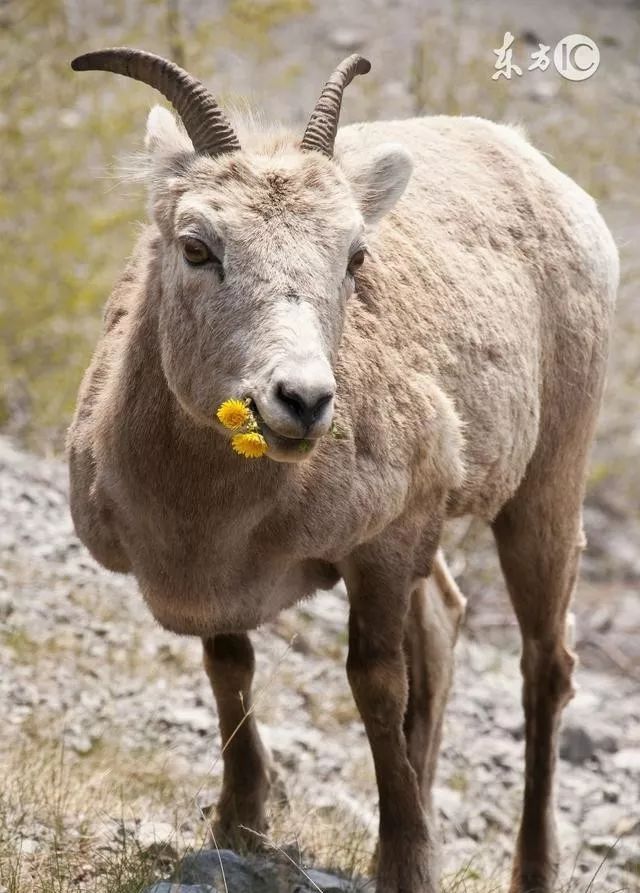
259 251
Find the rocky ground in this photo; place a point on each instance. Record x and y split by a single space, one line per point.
118 713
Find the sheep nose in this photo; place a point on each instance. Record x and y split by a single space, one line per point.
305 402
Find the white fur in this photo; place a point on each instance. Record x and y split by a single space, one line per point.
165 136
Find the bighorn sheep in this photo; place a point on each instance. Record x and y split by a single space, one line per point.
444 293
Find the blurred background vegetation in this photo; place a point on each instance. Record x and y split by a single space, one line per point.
67 223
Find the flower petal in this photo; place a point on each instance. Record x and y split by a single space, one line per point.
234 414
251 445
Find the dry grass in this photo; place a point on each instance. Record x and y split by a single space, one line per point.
74 824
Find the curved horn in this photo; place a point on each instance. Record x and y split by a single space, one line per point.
209 130
323 124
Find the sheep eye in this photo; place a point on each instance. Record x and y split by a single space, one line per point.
196 252
356 260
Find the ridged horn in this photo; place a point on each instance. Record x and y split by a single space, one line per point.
321 130
209 129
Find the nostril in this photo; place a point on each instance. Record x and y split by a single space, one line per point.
292 400
320 404
302 407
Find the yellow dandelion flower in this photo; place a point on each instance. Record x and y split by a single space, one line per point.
234 414
251 445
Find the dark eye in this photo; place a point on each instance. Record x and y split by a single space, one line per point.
356 260
196 252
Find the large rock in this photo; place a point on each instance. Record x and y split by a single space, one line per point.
212 871
219 866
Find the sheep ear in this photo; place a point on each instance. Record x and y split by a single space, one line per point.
169 151
378 178
165 136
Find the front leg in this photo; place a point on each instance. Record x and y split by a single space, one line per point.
229 662
377 672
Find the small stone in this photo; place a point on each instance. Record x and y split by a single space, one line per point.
6 605
576 745
81 744
475 827
448 801
628 824
601 820
602 844
568 834
150 834
607 743
206 800
510 721
628 760
301 644
497 818
197 718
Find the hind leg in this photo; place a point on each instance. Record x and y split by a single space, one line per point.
431 630
539 538
436 609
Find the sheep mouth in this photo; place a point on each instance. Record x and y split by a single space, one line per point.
280 446
283 447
